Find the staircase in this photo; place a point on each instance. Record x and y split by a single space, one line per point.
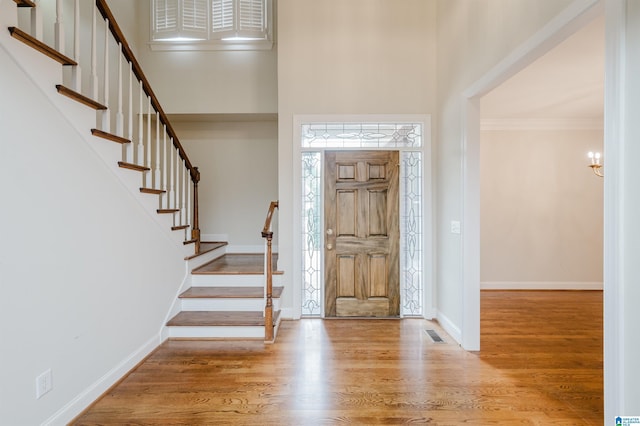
226 300
224 295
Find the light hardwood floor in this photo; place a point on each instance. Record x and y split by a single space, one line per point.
540 364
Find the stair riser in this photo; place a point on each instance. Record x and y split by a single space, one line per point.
231 280
226 304
238 332
206 257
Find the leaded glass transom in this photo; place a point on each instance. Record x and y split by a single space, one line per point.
362 135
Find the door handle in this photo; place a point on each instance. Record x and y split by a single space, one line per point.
329 246
329 231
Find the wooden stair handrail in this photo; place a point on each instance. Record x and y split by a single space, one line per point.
268 309
267 223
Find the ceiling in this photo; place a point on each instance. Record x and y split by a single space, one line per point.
565 83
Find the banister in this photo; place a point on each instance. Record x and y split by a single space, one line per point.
126 51
267 223
268 309
137 70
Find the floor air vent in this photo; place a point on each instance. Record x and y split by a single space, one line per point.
434 336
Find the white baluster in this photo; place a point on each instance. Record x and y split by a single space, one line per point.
76 71
94 56
106 114
176 182
59 28
157 177
165 166
140 152
170 177
189 190
119 113
183 208
147 161
130 147
36 21
179 189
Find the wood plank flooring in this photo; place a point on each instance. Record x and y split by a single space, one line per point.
540 364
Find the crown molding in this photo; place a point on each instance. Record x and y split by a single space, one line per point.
542 124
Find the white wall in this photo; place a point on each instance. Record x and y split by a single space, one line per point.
541 209
238 164
208 81
86 277
347 57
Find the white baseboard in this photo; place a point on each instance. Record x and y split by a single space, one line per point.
430 312
450 327
286 313
541 285
93 392
214 238
258 248
235 248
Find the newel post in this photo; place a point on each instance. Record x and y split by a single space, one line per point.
268 310
195 229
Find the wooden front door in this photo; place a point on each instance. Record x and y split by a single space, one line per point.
362 236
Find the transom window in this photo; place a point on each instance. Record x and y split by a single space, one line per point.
211 24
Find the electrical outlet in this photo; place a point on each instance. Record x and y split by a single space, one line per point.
44 383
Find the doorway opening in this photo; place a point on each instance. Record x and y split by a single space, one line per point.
558 30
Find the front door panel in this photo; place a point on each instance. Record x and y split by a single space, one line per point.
361 234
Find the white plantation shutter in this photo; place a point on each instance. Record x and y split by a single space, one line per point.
165 19
251 18
238 18
180 19
222 22
231 22
194 19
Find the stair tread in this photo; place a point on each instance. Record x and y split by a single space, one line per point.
217 319
109 136
79 97
132 166
228 292
236 264
41 47
25 3
152 191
